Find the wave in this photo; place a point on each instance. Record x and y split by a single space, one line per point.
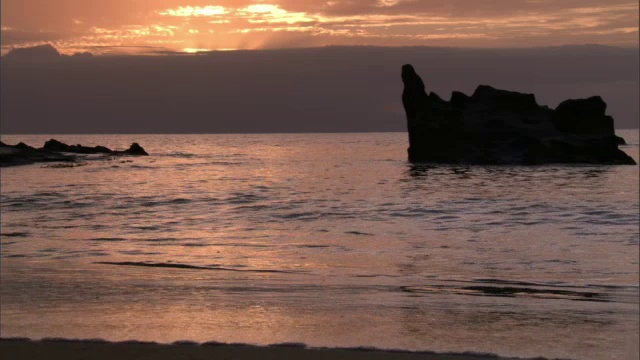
16 234
190 267
509 291
358 233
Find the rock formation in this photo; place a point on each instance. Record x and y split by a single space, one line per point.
502 127
56 151
57 146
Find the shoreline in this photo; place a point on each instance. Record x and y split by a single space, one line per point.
54 348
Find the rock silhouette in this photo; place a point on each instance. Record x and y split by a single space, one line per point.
495 126
135 150
55 145
56 151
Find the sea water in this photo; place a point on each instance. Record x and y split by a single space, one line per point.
324 239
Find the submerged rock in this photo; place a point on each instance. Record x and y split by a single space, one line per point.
56 151
23 154
134 150
503 127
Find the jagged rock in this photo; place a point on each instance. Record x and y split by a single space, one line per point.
55 145
25 147
56 151
135 149
23 154
503 127
584 116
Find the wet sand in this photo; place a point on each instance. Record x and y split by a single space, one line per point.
18 349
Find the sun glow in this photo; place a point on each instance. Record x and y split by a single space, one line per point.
194 50
255 14
203 50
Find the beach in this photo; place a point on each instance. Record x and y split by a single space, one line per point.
18 349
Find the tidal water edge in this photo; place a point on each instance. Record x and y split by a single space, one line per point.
323 239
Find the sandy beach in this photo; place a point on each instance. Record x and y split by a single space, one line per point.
17 349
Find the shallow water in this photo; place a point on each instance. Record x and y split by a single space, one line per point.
325 239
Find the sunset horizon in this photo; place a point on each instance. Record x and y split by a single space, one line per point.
134 27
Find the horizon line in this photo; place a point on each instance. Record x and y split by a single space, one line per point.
162 51
231 133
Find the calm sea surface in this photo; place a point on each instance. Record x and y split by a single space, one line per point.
323 239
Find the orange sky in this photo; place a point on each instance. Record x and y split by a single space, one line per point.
116 26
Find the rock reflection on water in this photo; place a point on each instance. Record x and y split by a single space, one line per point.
330 240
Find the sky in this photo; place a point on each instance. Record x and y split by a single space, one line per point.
139 26
314 65
324 89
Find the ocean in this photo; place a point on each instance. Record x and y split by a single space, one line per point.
332 240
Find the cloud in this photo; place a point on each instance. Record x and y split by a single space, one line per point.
387 3
187 11
12 37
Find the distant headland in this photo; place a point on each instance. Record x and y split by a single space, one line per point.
502 127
